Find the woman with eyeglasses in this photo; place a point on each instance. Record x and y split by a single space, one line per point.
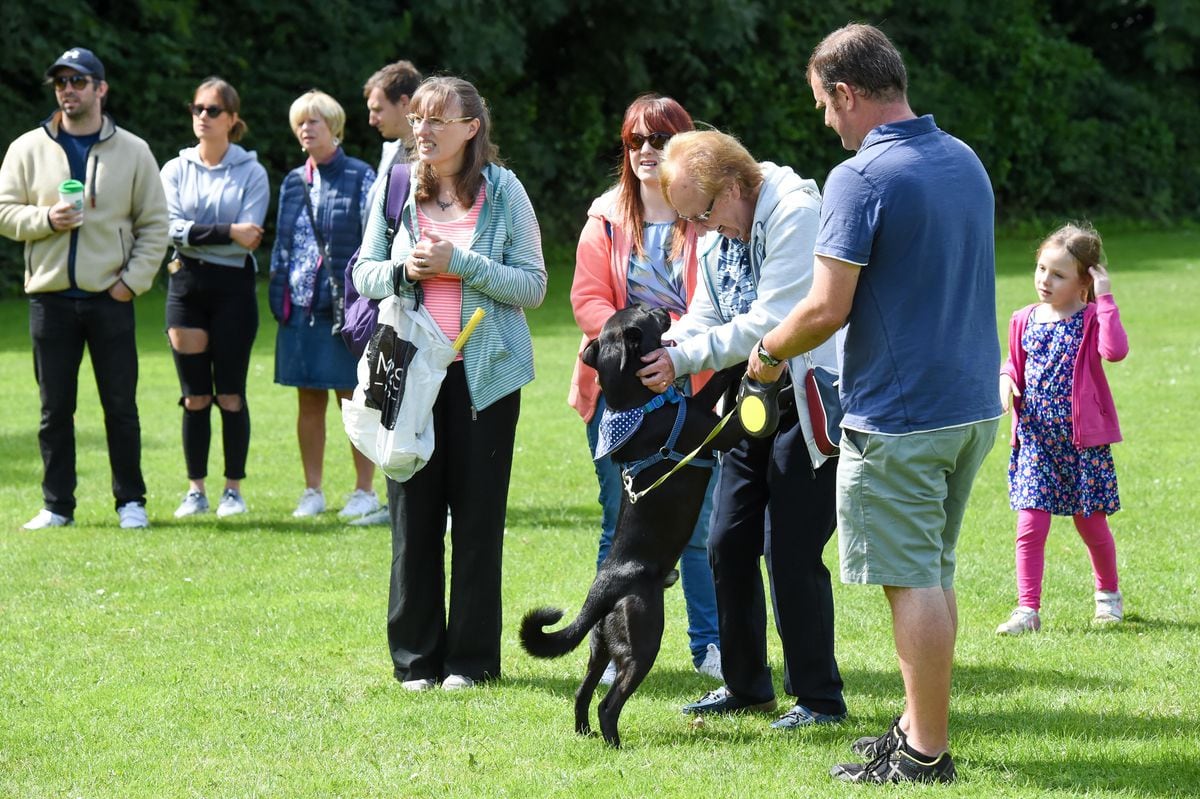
634 250
468 239
322 208
217 198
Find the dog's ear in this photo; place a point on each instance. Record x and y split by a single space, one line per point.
588 356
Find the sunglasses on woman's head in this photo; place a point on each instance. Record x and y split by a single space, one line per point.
76 81
213 111
657 140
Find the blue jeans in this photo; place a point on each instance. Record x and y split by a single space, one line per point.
699 595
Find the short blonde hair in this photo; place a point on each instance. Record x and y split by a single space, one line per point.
316 103
713 160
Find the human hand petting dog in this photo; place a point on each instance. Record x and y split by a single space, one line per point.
659 372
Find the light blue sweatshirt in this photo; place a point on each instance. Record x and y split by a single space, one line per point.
234 190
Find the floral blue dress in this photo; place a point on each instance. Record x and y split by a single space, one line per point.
1047 471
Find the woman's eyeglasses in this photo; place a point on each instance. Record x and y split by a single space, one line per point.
657 140
435 124
213 111
77 82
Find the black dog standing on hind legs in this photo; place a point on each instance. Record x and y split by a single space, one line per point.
624 606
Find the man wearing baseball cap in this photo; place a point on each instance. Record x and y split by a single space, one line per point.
85 197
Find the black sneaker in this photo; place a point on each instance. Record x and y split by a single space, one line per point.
901 764
872 746
723 701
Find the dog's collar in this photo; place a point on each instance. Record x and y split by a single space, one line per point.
617 427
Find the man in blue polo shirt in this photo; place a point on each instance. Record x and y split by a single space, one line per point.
905 260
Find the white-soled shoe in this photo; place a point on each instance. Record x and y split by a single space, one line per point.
195 502
610 674
1023 620
457 682
1110 607
711 665
231 503
378 516
359 503
312 502
133 516
423 684
47 518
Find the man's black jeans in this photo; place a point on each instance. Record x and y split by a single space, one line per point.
60 327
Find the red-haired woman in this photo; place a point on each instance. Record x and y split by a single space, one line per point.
635 249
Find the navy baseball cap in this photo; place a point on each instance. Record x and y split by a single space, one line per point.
81 60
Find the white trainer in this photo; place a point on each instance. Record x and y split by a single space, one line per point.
610 674
359 503
423 684
711 665
1110 607
133 516
47 518
195 502
231 503
312 502
1023 620
457 682
378 516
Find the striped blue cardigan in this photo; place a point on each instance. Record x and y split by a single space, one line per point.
503 273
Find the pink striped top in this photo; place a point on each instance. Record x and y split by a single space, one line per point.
443 294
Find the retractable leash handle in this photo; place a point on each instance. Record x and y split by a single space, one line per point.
758 406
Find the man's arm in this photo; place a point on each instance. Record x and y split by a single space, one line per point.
815 318
149 225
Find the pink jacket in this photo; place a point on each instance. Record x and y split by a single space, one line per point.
599 289
1093 413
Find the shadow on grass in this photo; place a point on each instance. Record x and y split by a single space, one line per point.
552 516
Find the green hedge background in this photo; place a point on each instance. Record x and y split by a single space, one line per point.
1076 108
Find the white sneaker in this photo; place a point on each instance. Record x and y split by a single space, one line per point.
457 682
231 503
1110 607
1023 620
711 665
378 516
423 684
195 502
359 503
47 518
610 674
312 502
133 516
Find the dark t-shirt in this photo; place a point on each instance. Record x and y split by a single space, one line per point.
76 148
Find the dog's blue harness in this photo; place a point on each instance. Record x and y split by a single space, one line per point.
617 427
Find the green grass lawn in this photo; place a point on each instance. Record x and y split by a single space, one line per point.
247 657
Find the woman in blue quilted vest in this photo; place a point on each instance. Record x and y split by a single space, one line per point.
322 209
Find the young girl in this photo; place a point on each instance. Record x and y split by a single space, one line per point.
1064 418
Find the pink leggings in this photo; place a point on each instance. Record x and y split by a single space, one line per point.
1033 526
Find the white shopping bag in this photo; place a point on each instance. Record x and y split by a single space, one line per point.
390 417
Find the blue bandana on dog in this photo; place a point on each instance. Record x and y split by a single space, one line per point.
617 427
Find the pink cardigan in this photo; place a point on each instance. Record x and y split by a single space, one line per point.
599 289
1093 413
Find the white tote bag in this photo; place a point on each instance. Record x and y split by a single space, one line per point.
390 417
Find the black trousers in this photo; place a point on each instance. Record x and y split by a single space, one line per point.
769 502
60 328
468 475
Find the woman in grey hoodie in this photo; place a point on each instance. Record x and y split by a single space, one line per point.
217 196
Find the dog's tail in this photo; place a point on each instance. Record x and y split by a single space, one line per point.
541 644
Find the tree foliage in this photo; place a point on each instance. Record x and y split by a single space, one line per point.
1076 108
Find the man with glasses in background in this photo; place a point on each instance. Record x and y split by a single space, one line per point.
85 197
775 495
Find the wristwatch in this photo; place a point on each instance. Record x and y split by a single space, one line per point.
766 357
